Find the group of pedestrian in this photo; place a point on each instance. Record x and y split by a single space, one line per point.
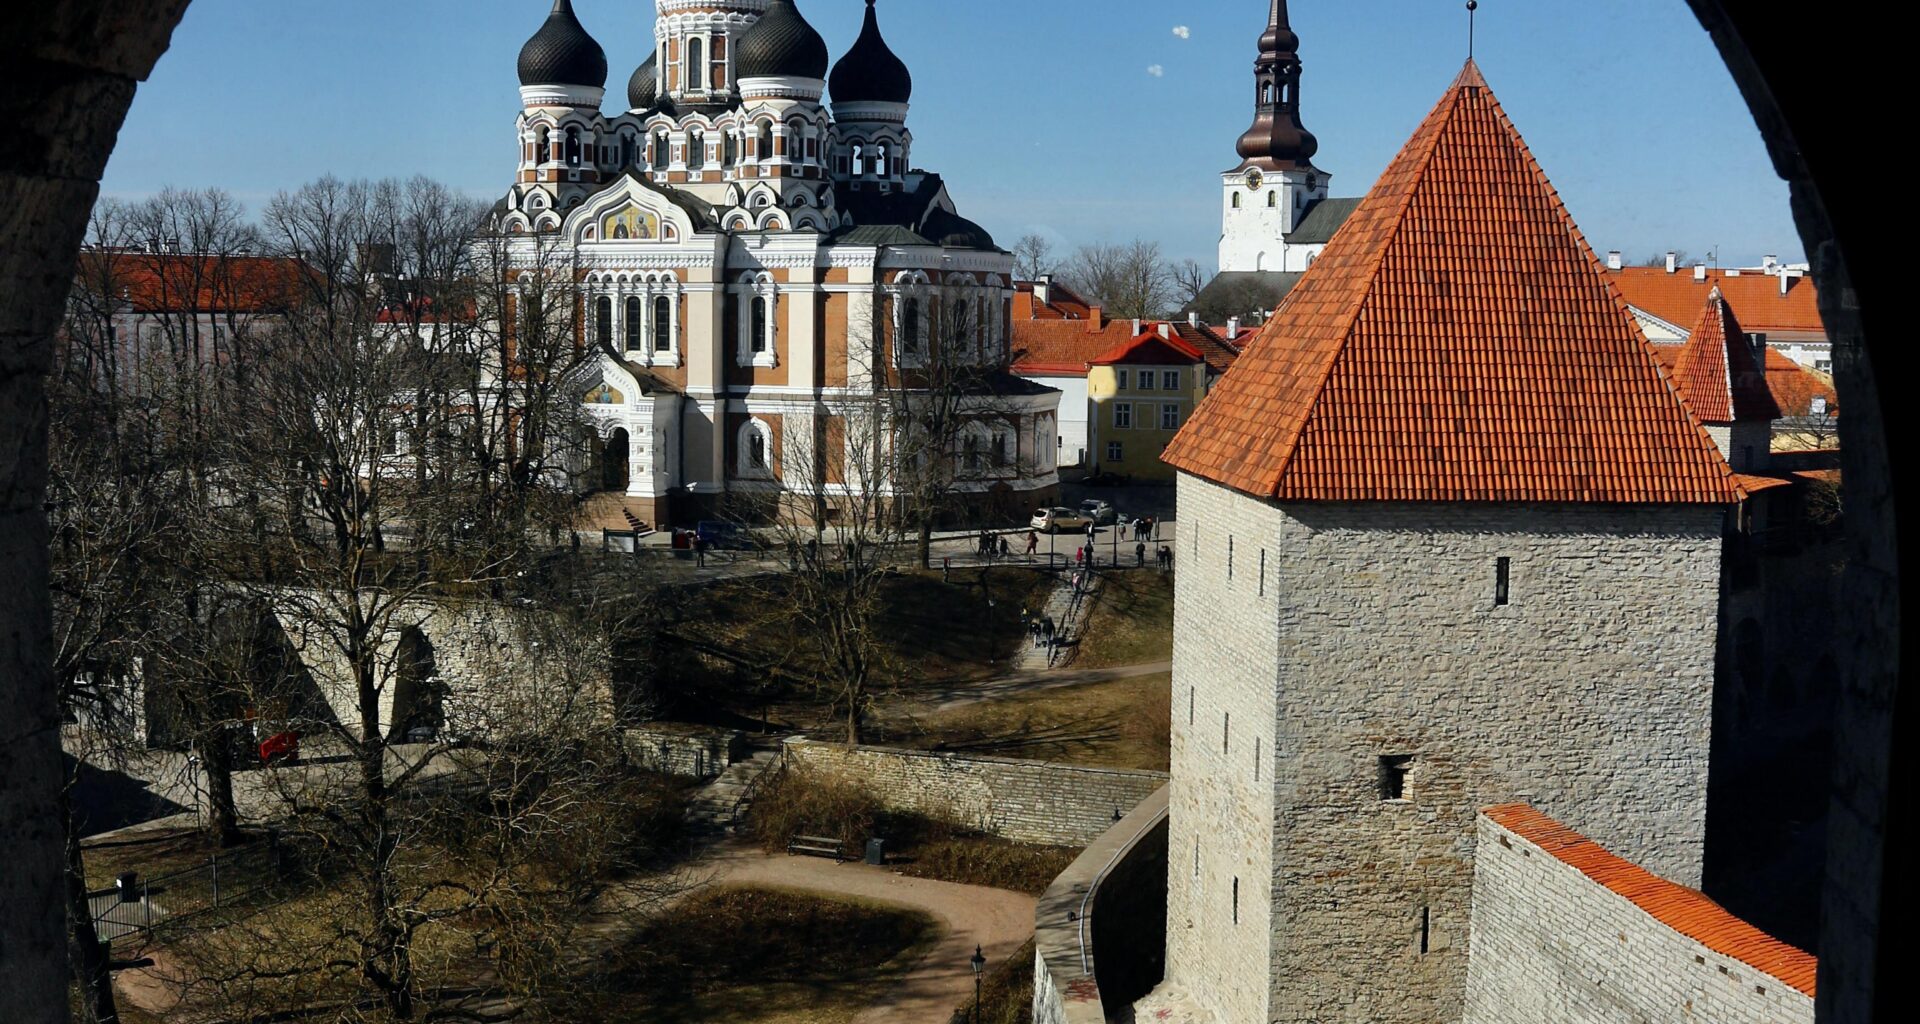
990 545
1040 628
1165 558
1144 528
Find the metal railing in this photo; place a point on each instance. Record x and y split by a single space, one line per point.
142 905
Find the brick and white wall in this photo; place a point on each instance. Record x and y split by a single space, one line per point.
1372 630
1551 944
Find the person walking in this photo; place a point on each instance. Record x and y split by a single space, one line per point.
1140 554
1047 627
700 552
1153 528
1033 544
1006 550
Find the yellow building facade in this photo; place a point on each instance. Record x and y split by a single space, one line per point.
1138 398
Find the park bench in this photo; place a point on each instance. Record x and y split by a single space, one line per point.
817 846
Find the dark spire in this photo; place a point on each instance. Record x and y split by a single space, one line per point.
644 87
871 71
1277 140
781 44
562 53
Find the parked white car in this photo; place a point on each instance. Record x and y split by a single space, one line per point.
1060 520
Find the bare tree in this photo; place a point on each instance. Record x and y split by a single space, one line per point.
1188 279
1130 280
1033 257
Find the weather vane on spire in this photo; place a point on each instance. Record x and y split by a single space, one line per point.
1472 6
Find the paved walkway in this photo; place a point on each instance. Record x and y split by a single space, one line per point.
998 921
1169 1005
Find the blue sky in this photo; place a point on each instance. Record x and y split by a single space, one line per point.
1042 115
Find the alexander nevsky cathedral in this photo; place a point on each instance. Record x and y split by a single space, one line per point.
759 256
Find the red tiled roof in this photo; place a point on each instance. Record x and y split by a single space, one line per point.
1063 348
1682 909
1219 353
1457 341
1794 387
1062 303
1716 372
1755 298
1149 349
155 282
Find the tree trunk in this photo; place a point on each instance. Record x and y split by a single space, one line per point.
926 542
86 954
216 759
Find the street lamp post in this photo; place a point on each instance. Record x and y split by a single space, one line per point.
979 970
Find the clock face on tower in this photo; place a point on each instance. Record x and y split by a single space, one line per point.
1255 179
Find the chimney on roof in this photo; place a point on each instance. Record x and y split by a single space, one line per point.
1699 271
1673 261
1043 288
1786 280
1136 327
1770 263
1613 260
1193 319
1166 330
1096 317
1233 327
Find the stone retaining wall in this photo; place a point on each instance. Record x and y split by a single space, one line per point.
696 755
1026 801
1077 917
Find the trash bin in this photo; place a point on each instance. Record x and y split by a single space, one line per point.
129 885
876 852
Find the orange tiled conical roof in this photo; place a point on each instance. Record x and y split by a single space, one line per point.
1456 341
1717 372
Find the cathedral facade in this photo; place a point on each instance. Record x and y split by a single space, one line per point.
760 261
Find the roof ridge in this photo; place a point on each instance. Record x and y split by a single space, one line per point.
1418 160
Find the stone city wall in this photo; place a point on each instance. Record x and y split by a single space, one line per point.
696 755
1103 905
1026 801
1551 941
1312 641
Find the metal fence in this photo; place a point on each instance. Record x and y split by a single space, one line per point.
139 906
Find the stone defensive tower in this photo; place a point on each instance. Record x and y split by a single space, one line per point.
1449 538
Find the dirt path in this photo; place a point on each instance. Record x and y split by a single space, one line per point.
998 921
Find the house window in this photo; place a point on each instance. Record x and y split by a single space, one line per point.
636 324
661 155
1273 200
603 321
662 324
1502 574
1170 380
1393 775
973 454
696 150
1123 415
1120 378
756 449
910 326
1169 417
1113 451
1002 456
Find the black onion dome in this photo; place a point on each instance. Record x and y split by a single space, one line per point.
952 231
644 87
781 44
871 72
562 53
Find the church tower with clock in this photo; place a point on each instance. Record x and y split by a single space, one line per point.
1270 195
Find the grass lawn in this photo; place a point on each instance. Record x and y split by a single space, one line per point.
1120 724
1132 621
754 956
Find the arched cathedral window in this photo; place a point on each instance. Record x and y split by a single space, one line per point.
603 321
662 324
662 156
696 66
764 144
696 150
573 147
1273 200
636 325
1236 200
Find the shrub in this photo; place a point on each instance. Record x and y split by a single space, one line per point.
801 802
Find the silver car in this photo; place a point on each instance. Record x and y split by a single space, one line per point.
1099 511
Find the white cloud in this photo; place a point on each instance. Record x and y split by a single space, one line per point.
1156 71
1183 31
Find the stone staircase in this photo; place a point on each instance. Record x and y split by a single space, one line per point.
608 511
718 808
